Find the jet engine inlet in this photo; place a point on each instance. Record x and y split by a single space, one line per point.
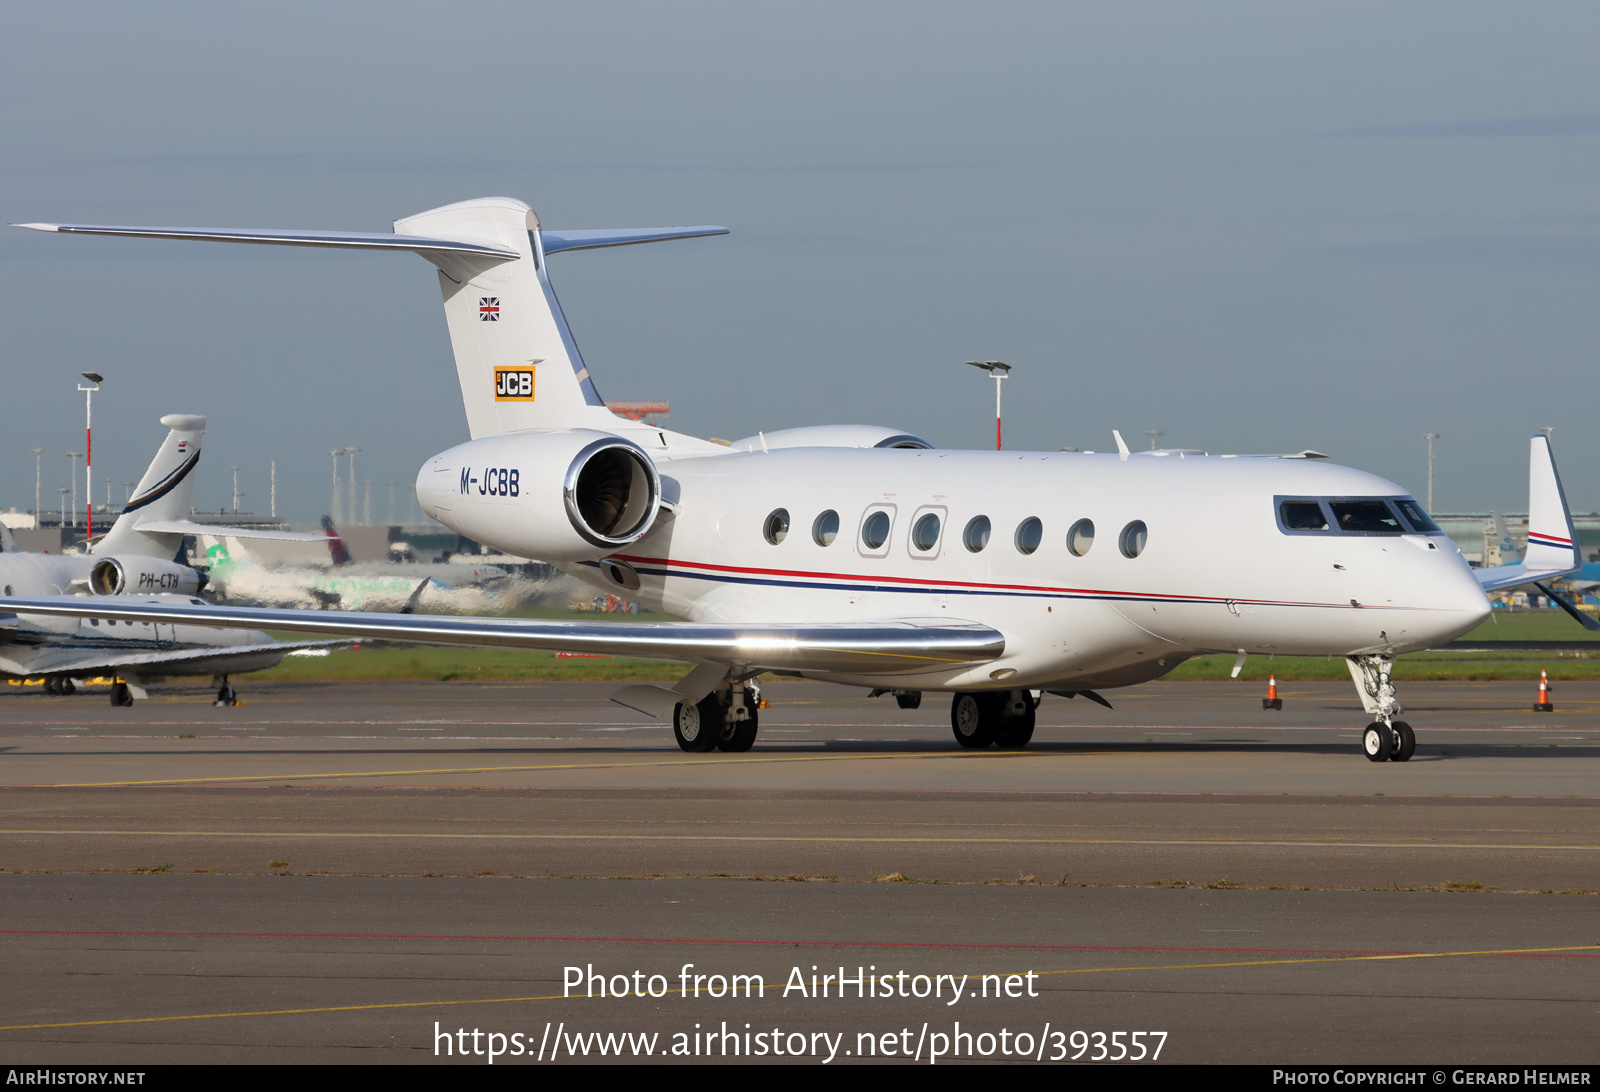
612 492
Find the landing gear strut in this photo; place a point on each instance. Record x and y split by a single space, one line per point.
1002 717
121 696
1385 739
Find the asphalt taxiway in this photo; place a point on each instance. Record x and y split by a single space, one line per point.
411 849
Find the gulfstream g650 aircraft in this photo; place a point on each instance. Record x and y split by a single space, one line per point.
861 555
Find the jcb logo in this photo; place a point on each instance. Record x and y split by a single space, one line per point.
513 384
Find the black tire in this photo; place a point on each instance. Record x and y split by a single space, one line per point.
1014 733
121 696
1405 742
698 727
973 718
227 696
740 735
52 685
1377 742
908 699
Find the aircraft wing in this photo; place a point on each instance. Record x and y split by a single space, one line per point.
51 661
866 647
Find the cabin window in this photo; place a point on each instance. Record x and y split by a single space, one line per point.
826 528
776 529
1080 537
925 532
1133 538
875 530
1030 532
1365 515
1302 516
976 536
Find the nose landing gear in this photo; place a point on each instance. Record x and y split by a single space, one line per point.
1385 739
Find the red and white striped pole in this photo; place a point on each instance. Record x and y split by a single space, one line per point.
88 444
998 371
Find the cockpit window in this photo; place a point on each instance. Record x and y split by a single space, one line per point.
1420 521
1302 516
1353 516
1365 516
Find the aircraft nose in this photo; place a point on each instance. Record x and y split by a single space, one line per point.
1457 601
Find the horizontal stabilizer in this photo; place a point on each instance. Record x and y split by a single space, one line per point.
862 647
187 527
346 240
594 239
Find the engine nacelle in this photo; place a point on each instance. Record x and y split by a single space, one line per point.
143 575
573 495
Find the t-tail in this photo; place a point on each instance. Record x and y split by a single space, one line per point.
165 494
517 362
1553 549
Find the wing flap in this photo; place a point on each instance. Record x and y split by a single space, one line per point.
863 647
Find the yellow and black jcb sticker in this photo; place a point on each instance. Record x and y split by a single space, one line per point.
513 384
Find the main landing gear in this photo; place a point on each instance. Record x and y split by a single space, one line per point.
60 685
723 720
226 695
1385 739
1003 718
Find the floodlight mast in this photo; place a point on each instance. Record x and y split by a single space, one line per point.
997 371
1430 437
95 379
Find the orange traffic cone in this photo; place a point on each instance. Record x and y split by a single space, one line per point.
1272 701
1543 704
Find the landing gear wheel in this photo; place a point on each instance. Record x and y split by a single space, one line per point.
52 685
697 727
740 735
66 687
908 699
226 696
1405 742
1377 741
973 718
1014 733
121 696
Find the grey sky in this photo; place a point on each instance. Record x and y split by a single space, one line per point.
1256 227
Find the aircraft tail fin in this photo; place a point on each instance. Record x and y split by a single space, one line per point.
1509 554
1553 549
516 360
336 549
165 494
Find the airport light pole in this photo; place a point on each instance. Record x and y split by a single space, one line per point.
1430 437
997 371
235 489
73 457
272 491
94 379
1153 433
128 486
352 452
63 490
333 513
37 451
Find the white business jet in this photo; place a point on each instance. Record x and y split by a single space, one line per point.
138 561
861 555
